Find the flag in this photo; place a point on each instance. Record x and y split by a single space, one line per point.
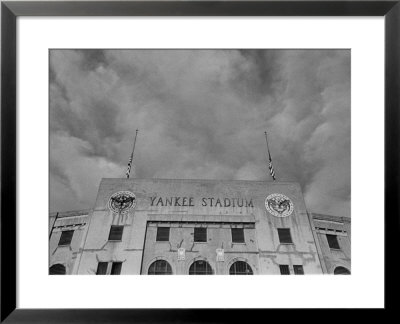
128 171
271 168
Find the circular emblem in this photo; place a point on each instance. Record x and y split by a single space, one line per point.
122 201
279 205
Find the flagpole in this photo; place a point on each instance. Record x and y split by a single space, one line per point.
131 158
270 166
266 139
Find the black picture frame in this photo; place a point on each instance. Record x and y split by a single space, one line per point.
11 10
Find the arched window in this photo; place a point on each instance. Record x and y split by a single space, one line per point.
240 268
341 271
160 267
57 269
200 267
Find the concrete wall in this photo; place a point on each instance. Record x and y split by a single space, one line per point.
339 226
263 251
67 255
218 237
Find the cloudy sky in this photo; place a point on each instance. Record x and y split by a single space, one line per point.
201 114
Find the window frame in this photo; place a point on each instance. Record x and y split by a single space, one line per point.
58 267
109 233
154 263
157 233
106 266
280 236
198 229
200 274
113 263
242 230
237 274
297 267
335 240
284 266
61 236
343 271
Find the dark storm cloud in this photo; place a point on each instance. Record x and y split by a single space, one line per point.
201 114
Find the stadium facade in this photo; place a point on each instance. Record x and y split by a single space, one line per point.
164 226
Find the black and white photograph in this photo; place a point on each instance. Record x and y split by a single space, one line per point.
199 162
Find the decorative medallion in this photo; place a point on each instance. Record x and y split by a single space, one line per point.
279 205
181 254
122 201
220 255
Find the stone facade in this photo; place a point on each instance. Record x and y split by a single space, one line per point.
160 226
66 254
333 258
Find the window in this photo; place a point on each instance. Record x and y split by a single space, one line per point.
237 235
57 269
284 269
240 268
102 268
162 234
284 236
116 268
341 271
200 268
200 234
116 233
298 269
66 238
333 241
160 267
